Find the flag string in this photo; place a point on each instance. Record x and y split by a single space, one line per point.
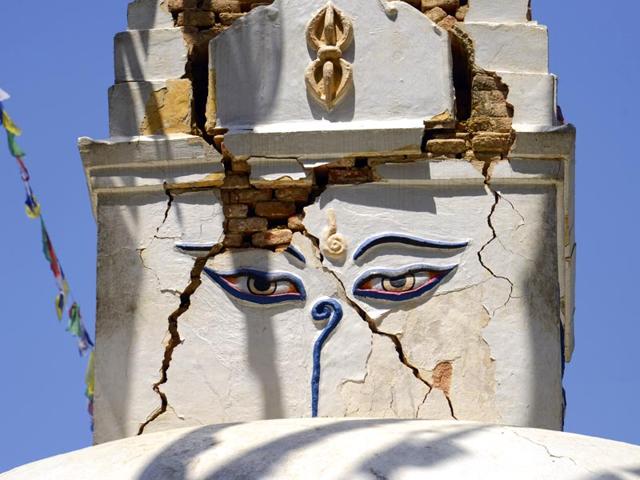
64 297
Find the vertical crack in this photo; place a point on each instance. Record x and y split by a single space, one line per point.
494 234
170 200
174 335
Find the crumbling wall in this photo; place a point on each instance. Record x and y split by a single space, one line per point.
412 366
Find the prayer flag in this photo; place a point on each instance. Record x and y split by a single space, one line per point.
31 205
60 305
4 95
14 148
9 125
76 327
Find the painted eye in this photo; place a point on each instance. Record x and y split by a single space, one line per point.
260 287
399 286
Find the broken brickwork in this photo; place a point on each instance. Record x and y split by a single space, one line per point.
266 217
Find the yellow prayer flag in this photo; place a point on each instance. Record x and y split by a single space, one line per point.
90 377
9 125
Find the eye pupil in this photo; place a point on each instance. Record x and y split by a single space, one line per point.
403 283
398 282
262 286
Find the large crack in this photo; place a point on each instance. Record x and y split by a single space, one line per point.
174 335
494 237
374 328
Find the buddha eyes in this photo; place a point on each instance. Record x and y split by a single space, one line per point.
260 287
277 287
400 285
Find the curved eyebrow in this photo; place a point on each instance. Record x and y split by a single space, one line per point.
194 247
402 239
191 247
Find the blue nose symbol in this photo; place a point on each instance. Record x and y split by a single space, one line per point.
326 309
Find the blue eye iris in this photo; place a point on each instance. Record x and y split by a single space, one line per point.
260 287
400 285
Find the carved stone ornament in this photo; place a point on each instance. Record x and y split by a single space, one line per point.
329 77
333 244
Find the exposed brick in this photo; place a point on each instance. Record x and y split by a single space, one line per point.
490 103
176 6
449 6
485 82
222 6
451 146
436 14
236 211
448 23
293 194
233 240
272 238
249 196
196 18
442 375
492 143
488 124
240 166
347 176
295 223
229 18
236 181
275 210
247 225
461 13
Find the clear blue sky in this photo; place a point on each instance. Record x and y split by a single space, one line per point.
56 61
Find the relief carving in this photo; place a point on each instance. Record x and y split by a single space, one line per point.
330 77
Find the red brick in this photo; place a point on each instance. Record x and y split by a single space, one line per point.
272 238
293 194
233 240
236 211
275 210
247 225
295 223
347 176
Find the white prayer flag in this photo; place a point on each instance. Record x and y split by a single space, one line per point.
4 95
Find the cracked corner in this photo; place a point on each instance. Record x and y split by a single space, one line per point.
174 335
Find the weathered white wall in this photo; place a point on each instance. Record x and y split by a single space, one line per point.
240 361
391 74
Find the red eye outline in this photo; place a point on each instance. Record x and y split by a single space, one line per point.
232 283
365 286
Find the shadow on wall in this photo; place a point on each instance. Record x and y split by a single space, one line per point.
262 461
114 314
251 85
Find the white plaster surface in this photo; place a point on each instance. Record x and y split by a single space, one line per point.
522 48
511 376
401 65
138 287
127 106
533 97
148 14
497 11
151 55
336 142
330 449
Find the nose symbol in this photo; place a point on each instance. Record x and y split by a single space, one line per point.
326 309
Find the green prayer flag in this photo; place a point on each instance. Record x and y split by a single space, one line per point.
75 324
14 148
